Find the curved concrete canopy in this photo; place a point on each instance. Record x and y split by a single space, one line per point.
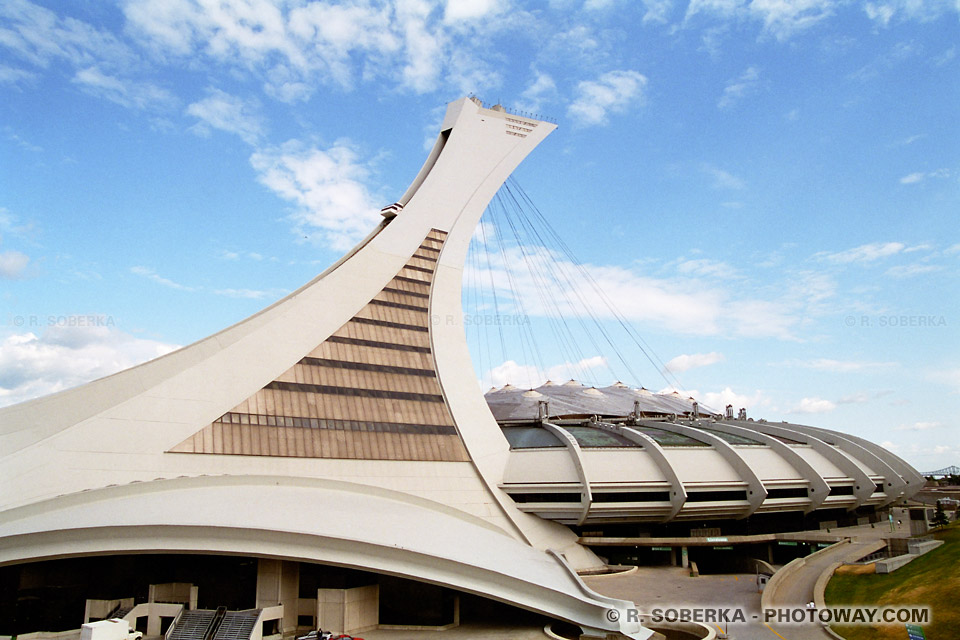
340 523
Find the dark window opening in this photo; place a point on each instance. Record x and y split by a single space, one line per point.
632 496
545 497
787 493
716 496
841 491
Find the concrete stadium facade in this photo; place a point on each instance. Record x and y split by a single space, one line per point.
341 426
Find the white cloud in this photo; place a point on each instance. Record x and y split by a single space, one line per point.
528 376
744 85
912 178
471 9
920 426
813 405
948 377
879 13
327 186
612 92
863 253
657 10
682 305
296 47
423 49
844 366
685 362
13 264
855 398
63 357
150 274
220 110
540 90
718 400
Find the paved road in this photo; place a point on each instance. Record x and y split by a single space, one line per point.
798 589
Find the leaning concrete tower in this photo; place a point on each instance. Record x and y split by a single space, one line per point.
342 425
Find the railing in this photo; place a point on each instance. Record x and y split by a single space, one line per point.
215 623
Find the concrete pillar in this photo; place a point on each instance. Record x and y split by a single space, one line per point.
278 583
684 558
673 556
352 610
770 552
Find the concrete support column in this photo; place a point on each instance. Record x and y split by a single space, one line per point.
684 558
673 556
278 583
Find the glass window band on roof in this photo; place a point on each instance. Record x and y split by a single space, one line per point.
730 438
669 439
530 438
592 438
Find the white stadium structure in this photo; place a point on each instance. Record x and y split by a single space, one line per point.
332 458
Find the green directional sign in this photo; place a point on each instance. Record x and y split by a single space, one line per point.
660 548
717 540
786 543
724 548
915 632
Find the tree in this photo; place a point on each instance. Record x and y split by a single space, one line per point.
940 516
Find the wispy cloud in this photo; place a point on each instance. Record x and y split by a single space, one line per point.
918 177
150 274
220 110
883 13
139 95
14 76
612 92
723 179
843 366
747 83
782 20
911 270
864 253
246 294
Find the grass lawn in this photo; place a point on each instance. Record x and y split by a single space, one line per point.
932 580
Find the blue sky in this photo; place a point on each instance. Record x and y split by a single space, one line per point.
770 190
